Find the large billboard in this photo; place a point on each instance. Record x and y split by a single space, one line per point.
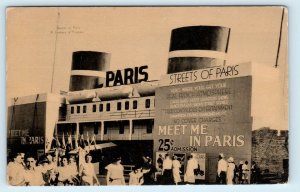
205 116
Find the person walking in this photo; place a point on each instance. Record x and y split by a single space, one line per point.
136 177
64 176
87 172
222 170
240 172
245 169
167 170
115 173
16 170
230 171
192 164
176 170
148 171
254 173
34 174
74 173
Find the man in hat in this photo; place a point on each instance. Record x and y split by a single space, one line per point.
222 170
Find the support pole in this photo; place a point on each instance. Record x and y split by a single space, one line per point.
130 129
102 130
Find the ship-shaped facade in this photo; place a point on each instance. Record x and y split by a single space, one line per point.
108 109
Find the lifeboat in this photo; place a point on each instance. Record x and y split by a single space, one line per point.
146 88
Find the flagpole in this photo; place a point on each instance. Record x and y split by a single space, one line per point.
279 39
54 55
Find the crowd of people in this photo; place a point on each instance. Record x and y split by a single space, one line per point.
230 173
170 170
55 170
52 169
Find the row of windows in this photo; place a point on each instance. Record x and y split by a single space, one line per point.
119 106
121 130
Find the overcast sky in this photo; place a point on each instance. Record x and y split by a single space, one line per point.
141 36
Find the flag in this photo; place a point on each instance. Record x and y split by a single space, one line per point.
87 138
63 141
70 141
76 141
81 141
57 142
56 156
94 140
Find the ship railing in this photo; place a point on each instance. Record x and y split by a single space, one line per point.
128 169
133 114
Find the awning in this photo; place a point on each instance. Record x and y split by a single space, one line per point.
100 146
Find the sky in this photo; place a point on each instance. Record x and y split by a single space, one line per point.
141 36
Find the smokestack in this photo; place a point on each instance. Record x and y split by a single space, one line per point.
88 70
197 47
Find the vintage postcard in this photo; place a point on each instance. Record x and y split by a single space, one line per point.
147 95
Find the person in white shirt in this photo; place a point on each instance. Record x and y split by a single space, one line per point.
73 167
222 170
34 174
16 170
192 164
87 172
167 170
64 174
245 168
230 171
136 177
115 173
176 170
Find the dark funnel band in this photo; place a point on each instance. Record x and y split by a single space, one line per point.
90 60
213 38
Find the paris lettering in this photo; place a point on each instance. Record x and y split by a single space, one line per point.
126 76
198 135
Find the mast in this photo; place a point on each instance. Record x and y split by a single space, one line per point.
54 55
279 39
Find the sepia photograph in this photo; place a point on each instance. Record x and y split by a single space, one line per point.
191 95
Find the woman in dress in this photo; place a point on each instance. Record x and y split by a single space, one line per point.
136 177
64 176
87 172
189 176
115 173
176 170
230 171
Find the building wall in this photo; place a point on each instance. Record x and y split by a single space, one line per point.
26 127
269 148
31 121
231 122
